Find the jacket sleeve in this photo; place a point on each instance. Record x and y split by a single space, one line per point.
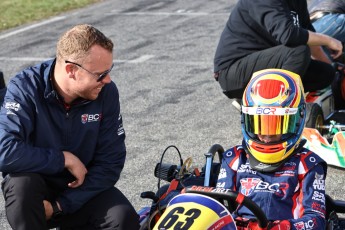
17 121
109 158
228 169
280 22
312 197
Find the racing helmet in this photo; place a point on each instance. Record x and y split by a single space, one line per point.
273 105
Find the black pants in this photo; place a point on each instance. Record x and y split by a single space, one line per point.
24 194
314 74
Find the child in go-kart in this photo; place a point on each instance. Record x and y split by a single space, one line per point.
272 167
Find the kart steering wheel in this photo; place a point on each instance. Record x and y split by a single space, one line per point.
231 197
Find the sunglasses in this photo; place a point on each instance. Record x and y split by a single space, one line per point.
100 77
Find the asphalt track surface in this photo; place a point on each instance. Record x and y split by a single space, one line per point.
164 71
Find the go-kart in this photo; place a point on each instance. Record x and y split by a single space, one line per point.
190 200
325 125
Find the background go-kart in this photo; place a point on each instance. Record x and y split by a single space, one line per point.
164 71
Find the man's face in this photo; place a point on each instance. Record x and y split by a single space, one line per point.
87 84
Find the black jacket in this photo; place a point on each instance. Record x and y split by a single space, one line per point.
261 24
35 128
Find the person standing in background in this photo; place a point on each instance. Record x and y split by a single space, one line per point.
328 17
265 34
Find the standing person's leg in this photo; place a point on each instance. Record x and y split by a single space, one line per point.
234 79
24 194
109 210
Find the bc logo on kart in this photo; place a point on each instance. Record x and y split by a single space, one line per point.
195 212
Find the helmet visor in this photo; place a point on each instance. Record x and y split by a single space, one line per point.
270 120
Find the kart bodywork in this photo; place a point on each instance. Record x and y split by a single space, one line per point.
321 114
332 151
325 126
324 134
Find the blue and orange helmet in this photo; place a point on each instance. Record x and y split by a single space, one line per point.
272 105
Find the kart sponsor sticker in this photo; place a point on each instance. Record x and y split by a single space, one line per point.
195 212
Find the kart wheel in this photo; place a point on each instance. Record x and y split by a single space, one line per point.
314 116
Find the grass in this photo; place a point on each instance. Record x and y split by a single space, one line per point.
18 12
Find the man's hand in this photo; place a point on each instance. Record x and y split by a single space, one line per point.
48 209
334 45
76 168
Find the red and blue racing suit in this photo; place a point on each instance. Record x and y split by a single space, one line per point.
295 192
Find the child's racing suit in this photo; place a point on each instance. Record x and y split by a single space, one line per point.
295 192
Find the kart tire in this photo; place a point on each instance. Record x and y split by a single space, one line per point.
314 116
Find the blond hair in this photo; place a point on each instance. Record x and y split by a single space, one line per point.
75 43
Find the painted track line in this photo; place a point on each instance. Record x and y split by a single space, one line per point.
32 27
142 59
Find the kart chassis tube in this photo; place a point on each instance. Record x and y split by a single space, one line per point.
209 160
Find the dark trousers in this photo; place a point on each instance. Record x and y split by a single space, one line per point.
314 74
24 194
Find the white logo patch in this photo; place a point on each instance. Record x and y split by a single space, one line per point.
12 106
